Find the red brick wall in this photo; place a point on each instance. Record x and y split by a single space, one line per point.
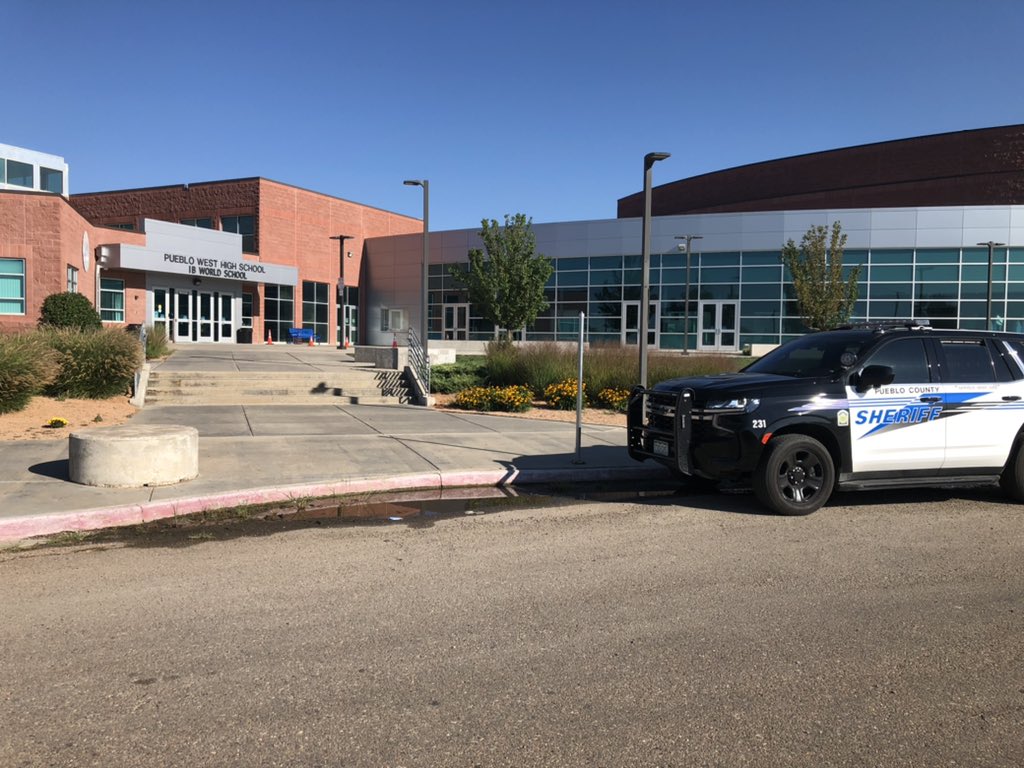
980 167
47 232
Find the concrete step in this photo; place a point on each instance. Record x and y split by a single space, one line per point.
276 400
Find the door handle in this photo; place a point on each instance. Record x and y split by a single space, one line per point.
1011 398
931 399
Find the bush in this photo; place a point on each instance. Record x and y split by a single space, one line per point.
156 342
613 398
455 377
563 395
514 399
94 364
69 310
27 365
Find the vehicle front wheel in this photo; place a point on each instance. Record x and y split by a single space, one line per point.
795 475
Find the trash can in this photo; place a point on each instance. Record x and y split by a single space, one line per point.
243 336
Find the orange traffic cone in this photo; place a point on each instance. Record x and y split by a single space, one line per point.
311 340
270 340
394 341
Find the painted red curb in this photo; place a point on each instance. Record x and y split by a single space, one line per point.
25 527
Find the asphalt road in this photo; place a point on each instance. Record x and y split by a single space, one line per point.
595 634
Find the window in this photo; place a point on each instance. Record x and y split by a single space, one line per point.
19 174
111 300
247 309
315 308
967 362
907 359
51 180
72 279
205 223
125 225
244 226
12 286
3 171
392 319
279 310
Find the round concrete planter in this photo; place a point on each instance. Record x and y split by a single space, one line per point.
130 456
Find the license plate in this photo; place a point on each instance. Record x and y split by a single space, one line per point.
660 448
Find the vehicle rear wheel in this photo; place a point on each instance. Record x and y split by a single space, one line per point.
795 475
1012 479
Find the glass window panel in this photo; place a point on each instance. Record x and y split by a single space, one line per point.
112 299
632 277
562 265
676 275
605 262
934 311
572 278
936 274
719 292
967 362
673 292
980 290
891 274
3 171
972 309
19 174
632 262
937 291
1017 255
977 256
722 275
894 256
890 290
759 324
762 258
725 259
606 293
979 273
907 359
606 277
762 274
51 180
897 310
938 256
759 308
767 291
571 294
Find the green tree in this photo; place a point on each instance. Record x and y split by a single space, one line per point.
825 297
506 285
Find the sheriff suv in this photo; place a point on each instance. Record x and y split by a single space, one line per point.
854 408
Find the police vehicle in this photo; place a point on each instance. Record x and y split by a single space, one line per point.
853 408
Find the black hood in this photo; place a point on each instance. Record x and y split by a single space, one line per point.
733 383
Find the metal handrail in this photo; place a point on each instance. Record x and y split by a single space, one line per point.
419 361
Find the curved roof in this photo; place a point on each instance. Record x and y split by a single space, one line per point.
977 167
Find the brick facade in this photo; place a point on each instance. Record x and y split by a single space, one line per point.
293 226
45 231
979 167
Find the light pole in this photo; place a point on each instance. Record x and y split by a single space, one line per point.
988 301
645 249
342 318
425 183
686 297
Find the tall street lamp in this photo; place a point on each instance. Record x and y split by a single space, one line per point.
425 183
645 248
686 297
988 301
342 291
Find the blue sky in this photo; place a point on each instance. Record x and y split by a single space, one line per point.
545 108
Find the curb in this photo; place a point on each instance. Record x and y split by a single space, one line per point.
17 528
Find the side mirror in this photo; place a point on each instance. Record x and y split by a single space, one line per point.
873 376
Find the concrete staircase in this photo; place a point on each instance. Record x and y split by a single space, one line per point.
343 387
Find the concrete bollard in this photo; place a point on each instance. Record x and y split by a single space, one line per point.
132 456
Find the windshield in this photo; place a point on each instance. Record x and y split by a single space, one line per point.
818 354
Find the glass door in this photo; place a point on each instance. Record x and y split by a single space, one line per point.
161 310
456 322
631 323
206 318
717 326
226 318
182 316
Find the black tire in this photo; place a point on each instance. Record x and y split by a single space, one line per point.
795 476
1012 479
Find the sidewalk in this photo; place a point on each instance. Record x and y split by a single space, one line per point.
258 454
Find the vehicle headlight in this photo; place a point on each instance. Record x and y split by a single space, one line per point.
739 404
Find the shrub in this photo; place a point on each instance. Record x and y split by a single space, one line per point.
455 377
94 364
563 394
515 399
69 310
156 342
613 398
27 366
502 364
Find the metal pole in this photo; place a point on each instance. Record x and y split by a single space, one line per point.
686 297
988 300
579 396
645 253
343 320
425 183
